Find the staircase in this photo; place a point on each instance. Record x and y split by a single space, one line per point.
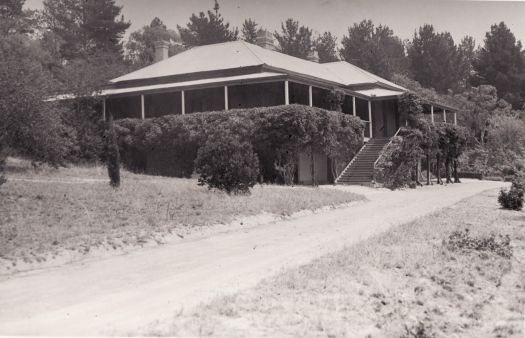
360 170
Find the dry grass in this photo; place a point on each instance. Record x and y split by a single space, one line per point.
76 209
405 283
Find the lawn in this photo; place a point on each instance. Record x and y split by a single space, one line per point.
408 282
46 212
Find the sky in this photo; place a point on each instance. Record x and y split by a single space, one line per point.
460 18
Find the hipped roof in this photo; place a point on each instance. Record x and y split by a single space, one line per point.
240 54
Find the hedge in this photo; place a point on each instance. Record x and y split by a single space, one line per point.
168 145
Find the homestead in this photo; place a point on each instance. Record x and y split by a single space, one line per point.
238 74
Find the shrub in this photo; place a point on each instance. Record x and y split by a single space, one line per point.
228 164
463 240
512 199
168 145
2 165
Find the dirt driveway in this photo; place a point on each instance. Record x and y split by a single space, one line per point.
134 293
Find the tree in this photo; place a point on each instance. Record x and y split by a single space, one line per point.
141 43
435 61
206 30
501 63
375 49
112 154
85 27
325 46
29 126
14 19
249 31
294 40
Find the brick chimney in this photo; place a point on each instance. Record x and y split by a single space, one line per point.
265 39
313 56
161 50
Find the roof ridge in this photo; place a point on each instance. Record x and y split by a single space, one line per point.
248 46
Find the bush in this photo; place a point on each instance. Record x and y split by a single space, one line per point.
512 199
463 240
168 145
228 164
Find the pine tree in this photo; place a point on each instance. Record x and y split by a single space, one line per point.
326 47
501 63
434 60
85 27
294 40
249 31
375 49
207 29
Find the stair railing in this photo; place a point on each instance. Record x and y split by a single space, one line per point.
349 164
385 147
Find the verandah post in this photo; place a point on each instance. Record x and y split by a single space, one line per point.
183 102
142 111
370 117
104 109
286 93
353 105
310 96
226 98
444 115
432 113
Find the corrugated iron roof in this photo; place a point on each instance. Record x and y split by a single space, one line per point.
193 83
240 54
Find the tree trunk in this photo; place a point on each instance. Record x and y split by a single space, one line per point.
418 170
113 155
438 169
447 170
312 166
428 169
456 174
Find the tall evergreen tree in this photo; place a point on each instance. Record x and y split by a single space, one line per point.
375 49
15 19
294 40
249 31
207 29
326 47
85 27
141 44
435 60
501 63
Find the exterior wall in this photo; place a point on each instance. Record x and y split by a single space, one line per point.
384 118
321 168
255 95
156 105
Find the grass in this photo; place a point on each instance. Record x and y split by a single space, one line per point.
48 211
413 281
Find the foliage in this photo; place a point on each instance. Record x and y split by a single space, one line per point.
501 63
512 199
29 126
141 43
294 40
325 45
464 241
335 99
435 61
112 154
505 141
2 164
277 134
227 164
249 31
82 28
396 167
15 19
206 30
410 107
375 49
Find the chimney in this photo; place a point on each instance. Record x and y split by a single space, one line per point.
161 50
313 56
265 39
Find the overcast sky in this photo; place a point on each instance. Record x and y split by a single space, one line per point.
403 16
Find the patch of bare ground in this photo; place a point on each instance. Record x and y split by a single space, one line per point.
50 216
410 282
